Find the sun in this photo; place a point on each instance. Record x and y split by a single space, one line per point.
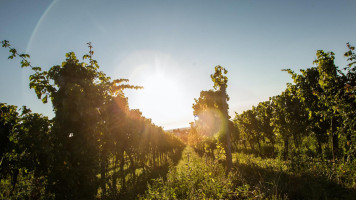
161 96
165 94
161 86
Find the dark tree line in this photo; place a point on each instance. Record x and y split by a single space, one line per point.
319 106
94 146
314 119
211 109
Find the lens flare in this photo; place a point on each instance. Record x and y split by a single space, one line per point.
211 122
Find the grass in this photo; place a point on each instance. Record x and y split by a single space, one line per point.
194 177
276 179
252 177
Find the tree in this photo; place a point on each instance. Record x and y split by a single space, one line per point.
213 104
264 115
24 153
328 95
289 119
307 85
77 91
9 130
93 132
248 124
348 110
330 84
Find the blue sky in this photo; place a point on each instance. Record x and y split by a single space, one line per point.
171 47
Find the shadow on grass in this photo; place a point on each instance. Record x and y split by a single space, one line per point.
138 186
280 184
264 152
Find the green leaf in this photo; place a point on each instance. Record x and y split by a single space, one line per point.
44 99
5 43
36 68
24 63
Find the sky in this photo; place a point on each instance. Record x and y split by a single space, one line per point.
171 47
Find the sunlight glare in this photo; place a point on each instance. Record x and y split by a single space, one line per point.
162 96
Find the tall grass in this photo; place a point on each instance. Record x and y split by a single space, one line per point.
252 177
193 178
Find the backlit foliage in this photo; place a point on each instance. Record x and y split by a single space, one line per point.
95 146
299 144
